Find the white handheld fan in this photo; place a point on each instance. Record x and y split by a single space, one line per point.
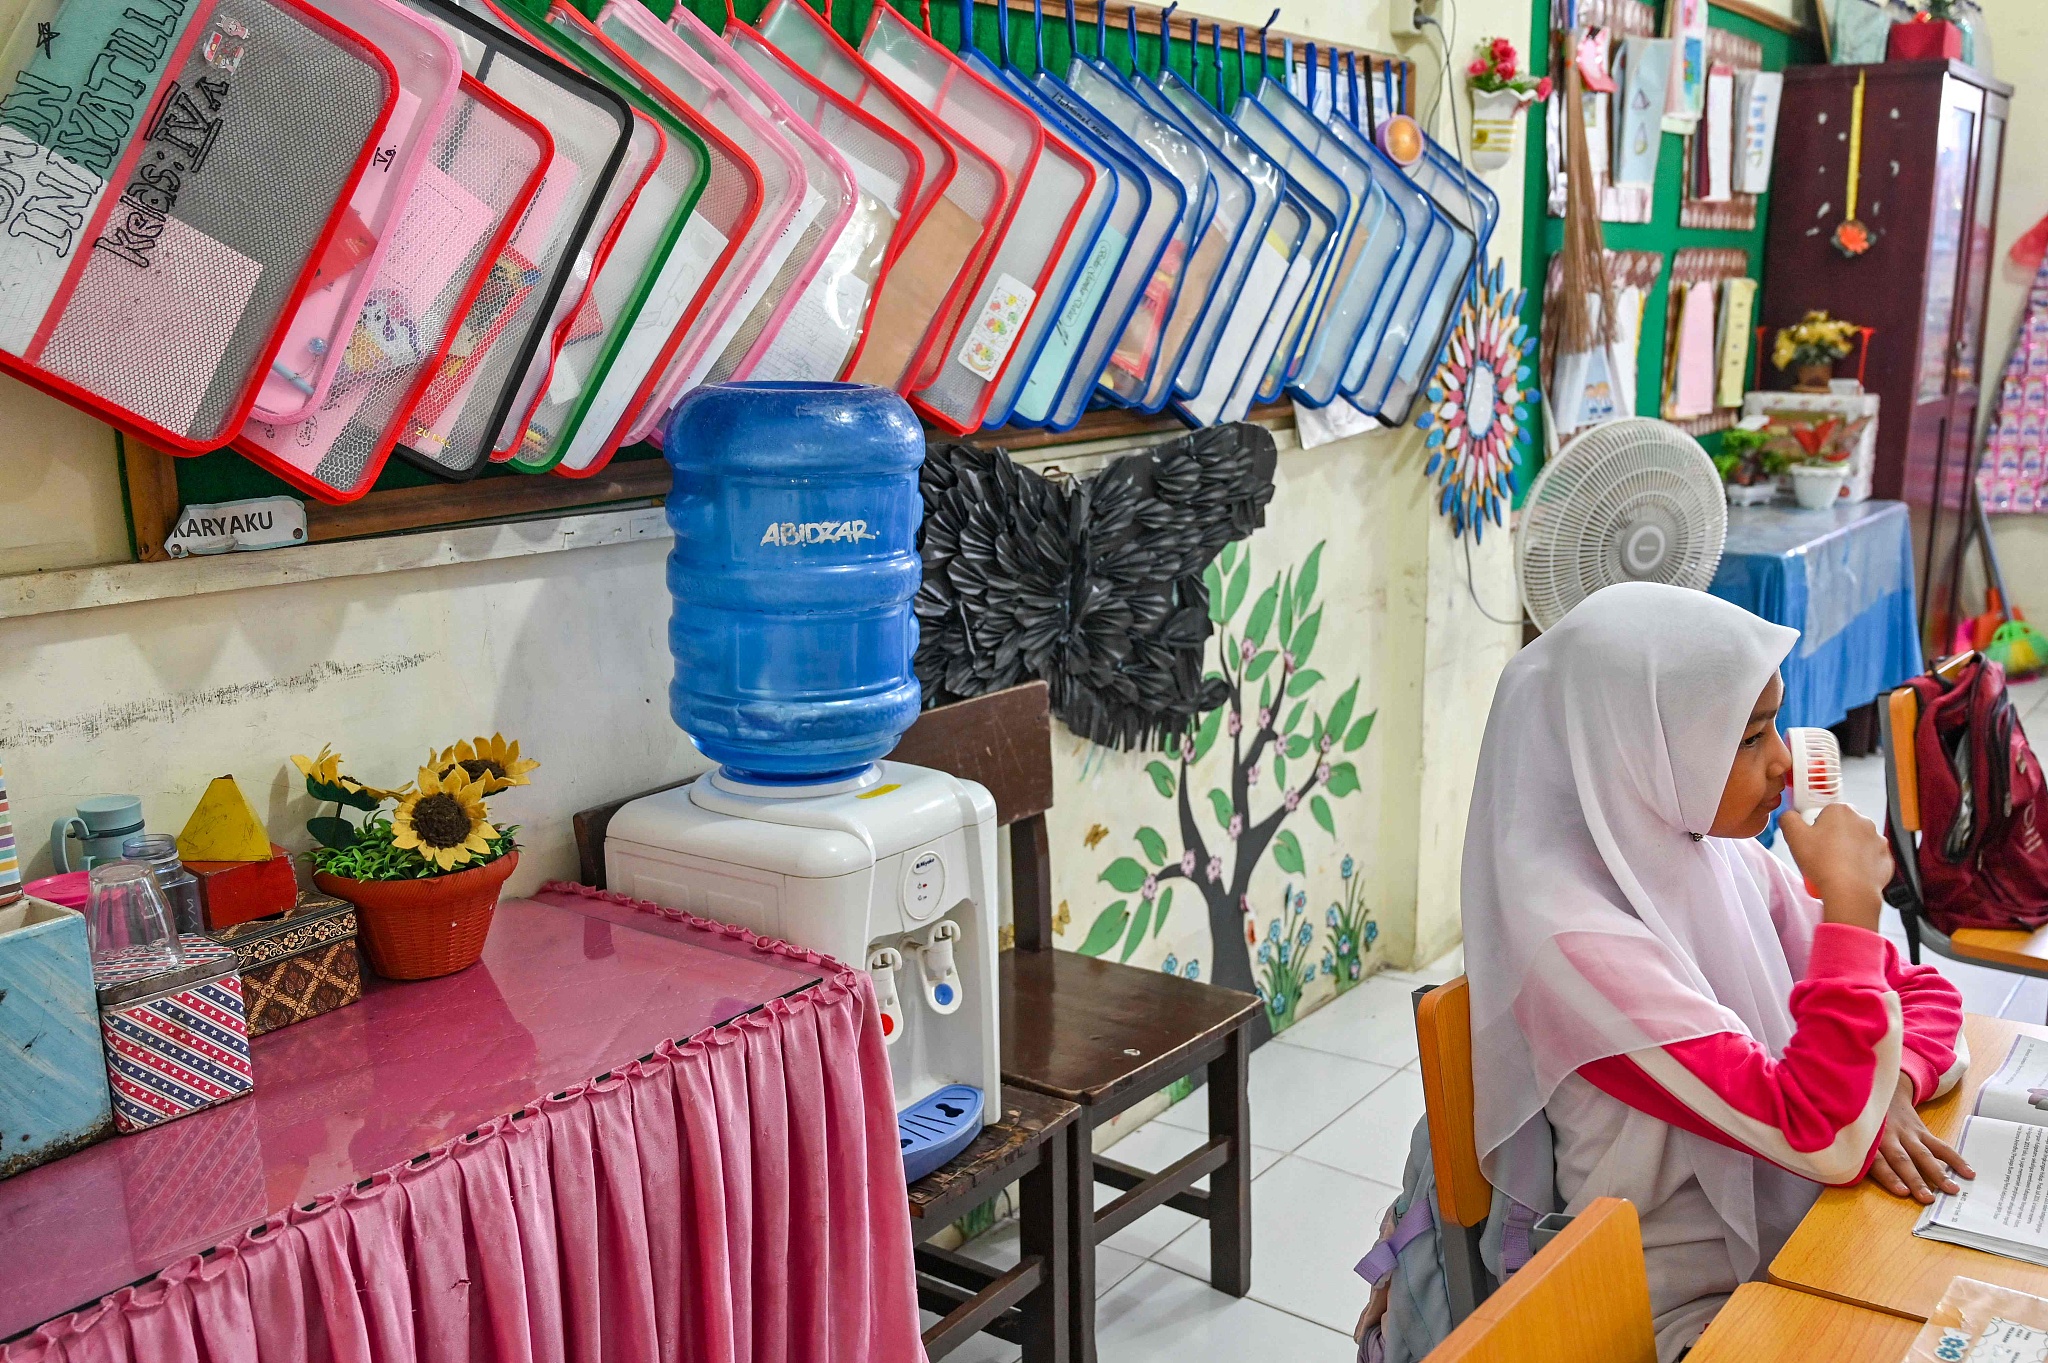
1816 770
1631 501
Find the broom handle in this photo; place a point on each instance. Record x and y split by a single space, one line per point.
1990 551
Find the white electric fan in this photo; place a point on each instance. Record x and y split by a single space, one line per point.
1635 500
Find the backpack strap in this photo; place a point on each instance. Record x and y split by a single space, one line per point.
1379 1260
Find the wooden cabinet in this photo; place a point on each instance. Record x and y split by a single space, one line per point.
1933 139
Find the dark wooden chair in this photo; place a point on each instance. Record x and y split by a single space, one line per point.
1097 1033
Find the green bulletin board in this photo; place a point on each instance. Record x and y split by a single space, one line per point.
1543 234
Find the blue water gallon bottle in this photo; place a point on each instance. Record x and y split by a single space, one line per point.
795 510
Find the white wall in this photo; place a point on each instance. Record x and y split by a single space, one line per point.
566 651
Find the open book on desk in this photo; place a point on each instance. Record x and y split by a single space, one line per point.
2004 1210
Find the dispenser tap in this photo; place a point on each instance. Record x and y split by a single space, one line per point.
883 963
941 977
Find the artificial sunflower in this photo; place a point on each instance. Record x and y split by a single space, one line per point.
326 768
445 819
493 760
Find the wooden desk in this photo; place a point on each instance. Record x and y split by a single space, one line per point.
1765 1324
1857 1244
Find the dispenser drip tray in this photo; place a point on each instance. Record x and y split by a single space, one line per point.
937 1127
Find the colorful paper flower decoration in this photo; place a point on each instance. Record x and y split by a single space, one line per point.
1478 411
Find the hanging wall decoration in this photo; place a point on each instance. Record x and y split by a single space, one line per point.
1478 411
1093 584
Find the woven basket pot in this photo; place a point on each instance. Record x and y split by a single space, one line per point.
421 929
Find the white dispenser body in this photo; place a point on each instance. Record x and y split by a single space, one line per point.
884 862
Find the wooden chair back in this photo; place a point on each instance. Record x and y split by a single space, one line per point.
1004 741
1443 1027
1585 1296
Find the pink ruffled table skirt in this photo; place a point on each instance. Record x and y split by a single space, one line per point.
728 1189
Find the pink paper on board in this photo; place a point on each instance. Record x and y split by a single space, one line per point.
1694 389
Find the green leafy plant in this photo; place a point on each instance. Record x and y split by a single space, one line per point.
373 855
1288 752
1749 456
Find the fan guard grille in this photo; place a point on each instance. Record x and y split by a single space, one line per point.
1634 500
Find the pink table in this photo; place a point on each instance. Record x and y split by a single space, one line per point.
459 1186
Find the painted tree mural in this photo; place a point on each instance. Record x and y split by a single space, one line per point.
1290 750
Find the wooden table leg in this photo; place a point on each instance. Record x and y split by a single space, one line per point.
1080 1140
1230 1187
1046 1230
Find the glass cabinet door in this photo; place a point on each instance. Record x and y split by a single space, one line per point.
1953 152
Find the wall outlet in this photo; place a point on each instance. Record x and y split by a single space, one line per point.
1405 21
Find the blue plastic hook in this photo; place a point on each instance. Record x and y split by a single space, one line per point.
1038 31
967 25
1165 38
1131 35
1216 60
1003 32
1271 20
1311 87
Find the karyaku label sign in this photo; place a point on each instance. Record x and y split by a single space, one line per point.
230 527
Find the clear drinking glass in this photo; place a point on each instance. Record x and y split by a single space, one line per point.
159 852
126 912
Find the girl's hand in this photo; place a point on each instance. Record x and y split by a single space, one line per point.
1911 1161
1846 861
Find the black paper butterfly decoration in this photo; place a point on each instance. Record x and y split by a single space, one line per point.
1093 584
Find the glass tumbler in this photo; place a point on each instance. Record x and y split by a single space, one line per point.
159 852
127 916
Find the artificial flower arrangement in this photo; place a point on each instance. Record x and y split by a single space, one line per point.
1814 343
1498 67
439 824
424 878
1748 457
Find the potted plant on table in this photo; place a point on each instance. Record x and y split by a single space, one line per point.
424 877
1500 91
1750 464
1810 347
1816 451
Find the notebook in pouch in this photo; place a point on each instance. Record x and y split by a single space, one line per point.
483 167
455 422
171 235
428 73
1387 326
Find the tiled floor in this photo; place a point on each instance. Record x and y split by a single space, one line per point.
1334 1101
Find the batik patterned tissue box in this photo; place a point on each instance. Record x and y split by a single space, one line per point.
299 964
177 1040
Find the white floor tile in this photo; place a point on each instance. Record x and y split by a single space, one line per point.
1310 1224
1153 1146
1295 1092
1372 1139
1159 1316
1448 966
1112 1266
1375 1021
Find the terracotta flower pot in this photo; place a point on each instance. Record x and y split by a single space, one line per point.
421 929
1813 378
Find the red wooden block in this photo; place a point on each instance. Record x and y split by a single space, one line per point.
236 891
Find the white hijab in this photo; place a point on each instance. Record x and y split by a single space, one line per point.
1597 920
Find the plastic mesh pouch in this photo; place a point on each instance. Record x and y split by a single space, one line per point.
1057 391
690 88
470 399
822 327
809 317
1256 322
945 259
886 167
1384 326
1232 226
1159 217
428 73
1033 219
159 235
1294 226
1071 179
1312 179
483 166
1370 245
645 285
1239 306
1316 248
1142 367
1467 210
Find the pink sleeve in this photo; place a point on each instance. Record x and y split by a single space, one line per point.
1819 1111
1931 1010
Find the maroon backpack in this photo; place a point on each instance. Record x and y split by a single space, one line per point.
1983 854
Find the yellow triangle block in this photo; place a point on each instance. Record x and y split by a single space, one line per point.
224 827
